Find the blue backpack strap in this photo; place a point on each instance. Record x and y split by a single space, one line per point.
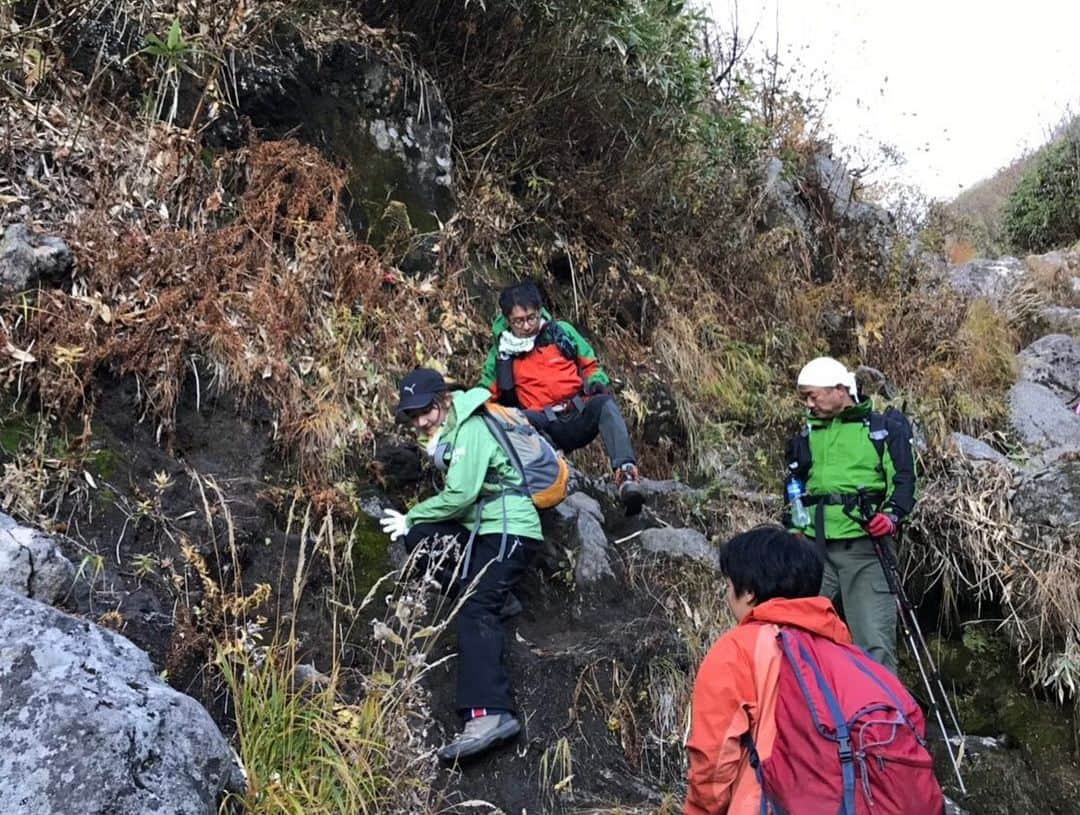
843 735
766 805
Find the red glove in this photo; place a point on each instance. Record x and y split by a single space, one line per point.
881 525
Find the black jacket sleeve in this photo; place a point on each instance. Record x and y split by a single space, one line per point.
899 441
797 463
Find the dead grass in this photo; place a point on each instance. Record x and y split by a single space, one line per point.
971 544
279 304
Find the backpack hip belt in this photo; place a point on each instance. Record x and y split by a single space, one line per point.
852 502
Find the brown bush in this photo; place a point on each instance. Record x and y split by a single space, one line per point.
280 303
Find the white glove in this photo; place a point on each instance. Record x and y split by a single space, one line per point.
394 524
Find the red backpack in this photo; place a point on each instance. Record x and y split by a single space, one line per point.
849 737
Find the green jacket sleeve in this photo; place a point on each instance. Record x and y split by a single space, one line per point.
487 375
469 462
586 357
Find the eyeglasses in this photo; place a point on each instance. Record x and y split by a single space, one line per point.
528 319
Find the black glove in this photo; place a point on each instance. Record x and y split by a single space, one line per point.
596 387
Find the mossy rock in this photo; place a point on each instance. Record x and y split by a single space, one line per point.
991 697
370 554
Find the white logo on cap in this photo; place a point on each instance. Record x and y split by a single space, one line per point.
410 389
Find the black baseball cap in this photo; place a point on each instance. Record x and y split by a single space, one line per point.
418 390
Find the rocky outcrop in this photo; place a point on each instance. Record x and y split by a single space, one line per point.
381 119
1053 361
1041 420
1061 319
31 564
977 451
27 260
989 280
820 202
87 726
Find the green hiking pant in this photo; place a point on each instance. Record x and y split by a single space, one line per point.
854 575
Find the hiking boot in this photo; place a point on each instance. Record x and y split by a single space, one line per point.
629 484
511 608
480 734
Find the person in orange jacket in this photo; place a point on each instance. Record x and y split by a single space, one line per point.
773 578
548 369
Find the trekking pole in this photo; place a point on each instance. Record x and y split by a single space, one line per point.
909 623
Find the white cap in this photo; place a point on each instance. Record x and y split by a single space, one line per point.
826 372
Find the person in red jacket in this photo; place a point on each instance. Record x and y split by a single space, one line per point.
784 698
773 579
546 368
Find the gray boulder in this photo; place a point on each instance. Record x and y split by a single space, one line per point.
88 727
1050 497
680 543
1053 361
26 260
1061 319
840 186
989 280
31 564
662 488
1042 421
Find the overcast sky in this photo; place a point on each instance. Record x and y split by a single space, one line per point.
960 87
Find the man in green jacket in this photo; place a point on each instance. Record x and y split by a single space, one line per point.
858 473
495 532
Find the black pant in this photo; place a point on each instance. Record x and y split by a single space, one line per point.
575 428
482 680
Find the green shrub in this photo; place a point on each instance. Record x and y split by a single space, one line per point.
1044 209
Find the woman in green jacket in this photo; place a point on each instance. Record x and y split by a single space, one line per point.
497 532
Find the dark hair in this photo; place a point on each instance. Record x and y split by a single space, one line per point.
524 294
772 562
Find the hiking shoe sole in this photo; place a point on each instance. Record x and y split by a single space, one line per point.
460 748
632 498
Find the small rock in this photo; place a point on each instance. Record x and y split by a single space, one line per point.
681 543
31 563
305 673
977 450
24 261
